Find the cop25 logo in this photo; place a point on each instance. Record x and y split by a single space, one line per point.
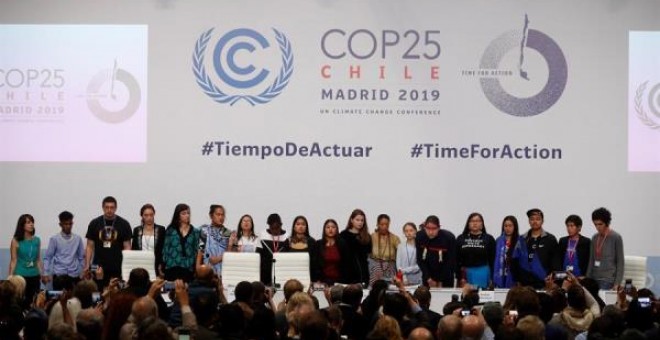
519 41
238 78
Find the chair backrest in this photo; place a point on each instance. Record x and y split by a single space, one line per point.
635 269
292 266
138 259
237 267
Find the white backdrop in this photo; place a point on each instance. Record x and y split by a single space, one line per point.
588 122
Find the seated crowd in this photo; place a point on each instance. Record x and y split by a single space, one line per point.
146 309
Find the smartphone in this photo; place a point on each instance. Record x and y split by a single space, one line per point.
559 275
53 294
627 288
644 302
93 267
184 334
121 284
96 297
514 313
465 312
168 286
318 286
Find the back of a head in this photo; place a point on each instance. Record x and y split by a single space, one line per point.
291 287
143 308
258 291
352 295
423 296
604 326
314 326
89 323
527 303
451 306
243 292
450 327
205 306
61 331
139 278
546 307
395 305
386 327
232 319
18 282
153 329
493 314
204 273
336 293
575 298
532 327
333 314
36 325
473 328
83 291
420 333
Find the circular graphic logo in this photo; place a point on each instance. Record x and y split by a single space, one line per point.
653 104
557 72
230 66
113 96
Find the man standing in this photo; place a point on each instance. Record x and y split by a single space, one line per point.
436 254
107 235
542 250
64 257
606 255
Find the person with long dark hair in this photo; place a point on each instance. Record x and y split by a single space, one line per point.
181 246
26 256
300 240
330 259
356 235
436 254
215 239
149 236
382 261
247 239
476 252
509 250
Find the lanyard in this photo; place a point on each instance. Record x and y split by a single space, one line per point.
571 250
599 245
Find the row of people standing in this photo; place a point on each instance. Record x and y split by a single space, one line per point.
477 258
430 256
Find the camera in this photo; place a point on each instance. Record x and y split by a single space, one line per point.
627 288
93 267
644 302
53 294
559 275
96 297
168 286
465 312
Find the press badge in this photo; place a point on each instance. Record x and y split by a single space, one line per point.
569 268
107 244
596 263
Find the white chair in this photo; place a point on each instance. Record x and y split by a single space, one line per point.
635 269
292 266
138 259
237 267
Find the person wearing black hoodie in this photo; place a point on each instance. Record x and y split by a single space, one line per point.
542 249
476 253
436 254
